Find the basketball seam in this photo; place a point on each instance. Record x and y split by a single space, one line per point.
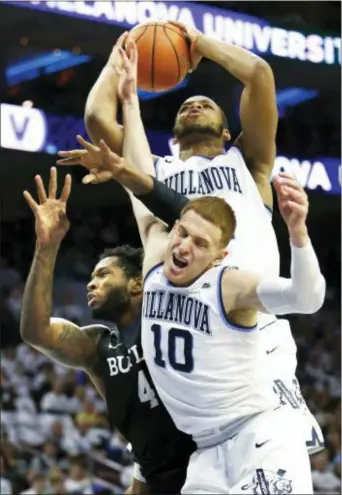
176 54
177 32
142 34
153 55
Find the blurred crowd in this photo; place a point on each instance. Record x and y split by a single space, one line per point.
55 434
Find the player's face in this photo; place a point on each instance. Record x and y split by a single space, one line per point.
198 115
108 290
194 247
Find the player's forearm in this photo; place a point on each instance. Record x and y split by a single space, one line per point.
240 63
303 293
37 299
136 148
164 202
101 110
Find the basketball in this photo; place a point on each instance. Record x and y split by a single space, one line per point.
164 58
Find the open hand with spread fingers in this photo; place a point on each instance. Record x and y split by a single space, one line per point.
102 163
293 204
52 223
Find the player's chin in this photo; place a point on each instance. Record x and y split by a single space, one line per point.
176 275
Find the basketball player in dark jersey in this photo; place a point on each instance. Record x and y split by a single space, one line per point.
112 357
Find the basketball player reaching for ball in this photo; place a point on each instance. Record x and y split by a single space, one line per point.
241 176
201 341
112 357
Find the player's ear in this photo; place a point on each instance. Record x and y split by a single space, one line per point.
135 286
226 135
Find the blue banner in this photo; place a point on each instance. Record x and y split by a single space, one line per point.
243 30
32 130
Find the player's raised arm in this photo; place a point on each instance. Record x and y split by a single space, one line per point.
102 104
304 292
136 147
59 339
258 107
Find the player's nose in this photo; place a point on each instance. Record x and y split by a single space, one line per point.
91 286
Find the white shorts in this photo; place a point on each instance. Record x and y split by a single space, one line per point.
291 397
267 456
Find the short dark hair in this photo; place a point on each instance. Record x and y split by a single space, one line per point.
129 259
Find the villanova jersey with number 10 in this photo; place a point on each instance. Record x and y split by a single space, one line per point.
208 373
254 246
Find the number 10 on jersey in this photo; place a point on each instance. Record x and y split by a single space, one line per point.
179 348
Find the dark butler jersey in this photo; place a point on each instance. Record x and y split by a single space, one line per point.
134 406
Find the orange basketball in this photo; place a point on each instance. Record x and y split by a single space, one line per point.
163 51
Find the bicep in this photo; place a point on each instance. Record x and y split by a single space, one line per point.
69 344
239 291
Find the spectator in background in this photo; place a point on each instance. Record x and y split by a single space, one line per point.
78 480
55 402
38 485
323 477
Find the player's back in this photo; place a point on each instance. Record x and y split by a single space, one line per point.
208 372
254 246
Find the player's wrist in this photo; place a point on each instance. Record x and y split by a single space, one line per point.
299 236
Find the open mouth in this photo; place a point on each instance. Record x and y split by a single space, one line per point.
179 262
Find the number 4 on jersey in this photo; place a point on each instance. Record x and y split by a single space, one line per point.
145 391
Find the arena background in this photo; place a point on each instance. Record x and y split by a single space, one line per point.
54 431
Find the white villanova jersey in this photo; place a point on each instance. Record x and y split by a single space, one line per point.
208 372
254 246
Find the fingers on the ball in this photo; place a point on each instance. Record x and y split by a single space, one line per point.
53 183
66 188
122 38
40 189
30 201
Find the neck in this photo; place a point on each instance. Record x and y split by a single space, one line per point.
209 149
130 315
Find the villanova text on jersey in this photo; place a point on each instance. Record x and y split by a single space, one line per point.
179 308
207 181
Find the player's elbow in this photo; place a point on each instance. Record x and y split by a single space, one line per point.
315 299
262 71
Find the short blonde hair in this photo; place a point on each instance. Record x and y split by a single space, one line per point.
216 211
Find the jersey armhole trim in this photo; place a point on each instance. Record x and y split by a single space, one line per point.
224 316
151 270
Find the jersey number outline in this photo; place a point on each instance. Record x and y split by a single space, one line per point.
174 335
145 391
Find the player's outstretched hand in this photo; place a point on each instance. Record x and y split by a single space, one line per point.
292 201
50 213
128 72
102 163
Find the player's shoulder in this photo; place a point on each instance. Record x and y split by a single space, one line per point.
94 332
